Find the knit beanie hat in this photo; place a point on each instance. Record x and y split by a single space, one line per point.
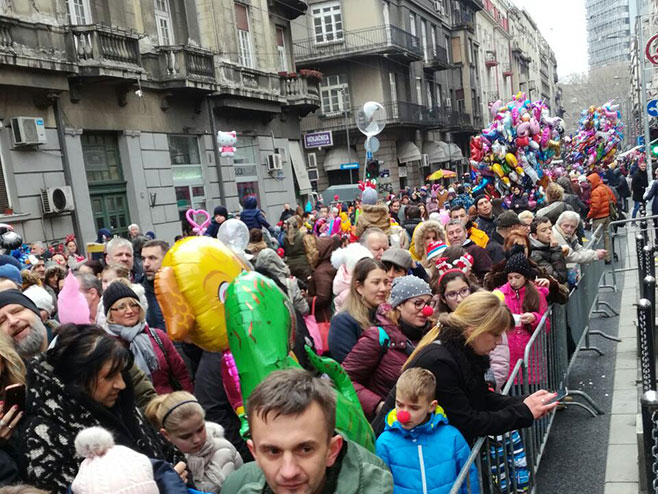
8 297
518 263
369 196
116 291
41 298
408 287
12 273
110 469
435 249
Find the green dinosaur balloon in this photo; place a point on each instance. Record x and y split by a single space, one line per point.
259 324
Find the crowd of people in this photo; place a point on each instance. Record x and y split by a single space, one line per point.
426 298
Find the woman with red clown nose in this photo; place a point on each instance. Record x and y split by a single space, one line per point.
375 362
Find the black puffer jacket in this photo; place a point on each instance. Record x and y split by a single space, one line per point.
462 391
550 259
54 415
639 185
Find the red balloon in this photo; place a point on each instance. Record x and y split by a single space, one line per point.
281 252
403 417
336 197
428 311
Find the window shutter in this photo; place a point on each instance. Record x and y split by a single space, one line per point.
279 37
4 196
241 17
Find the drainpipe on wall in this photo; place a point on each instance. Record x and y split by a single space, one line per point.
215 147
61 139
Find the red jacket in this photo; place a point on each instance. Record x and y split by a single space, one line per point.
160 377
599 206
373 368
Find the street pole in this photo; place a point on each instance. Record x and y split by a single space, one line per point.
347 134
643 92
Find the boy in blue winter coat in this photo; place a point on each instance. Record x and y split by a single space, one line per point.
424 453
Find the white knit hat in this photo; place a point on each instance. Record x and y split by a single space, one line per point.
41 298
110 469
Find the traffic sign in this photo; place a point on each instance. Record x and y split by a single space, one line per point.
652 108
349 166
651 50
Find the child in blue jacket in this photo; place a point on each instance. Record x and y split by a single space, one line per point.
424 453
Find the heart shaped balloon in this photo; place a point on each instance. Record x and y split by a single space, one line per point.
190 215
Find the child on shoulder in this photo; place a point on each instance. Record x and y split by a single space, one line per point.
424 453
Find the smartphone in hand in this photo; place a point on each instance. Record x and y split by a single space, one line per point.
13 394
561 395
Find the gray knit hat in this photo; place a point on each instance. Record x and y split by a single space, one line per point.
369 196
408 287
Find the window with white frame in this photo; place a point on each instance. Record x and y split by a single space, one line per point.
428 94
438 96
412 23
281 49
245 55
334 94
187 172
327 22
423 35
163 23
79 13
419 91
434 39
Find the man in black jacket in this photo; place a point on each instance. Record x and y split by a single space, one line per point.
485 221
639 185
412 221
505 223
153 253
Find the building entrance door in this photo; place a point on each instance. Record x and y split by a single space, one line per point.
107 187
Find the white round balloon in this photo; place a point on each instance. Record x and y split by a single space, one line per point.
235 234
371 119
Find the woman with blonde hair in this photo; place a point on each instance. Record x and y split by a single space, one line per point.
457 351
209 455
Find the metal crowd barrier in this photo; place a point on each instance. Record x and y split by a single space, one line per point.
508 464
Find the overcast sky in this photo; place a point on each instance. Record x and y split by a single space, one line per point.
562 23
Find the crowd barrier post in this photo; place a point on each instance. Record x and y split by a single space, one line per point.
649 262
649 407
646 337
639 245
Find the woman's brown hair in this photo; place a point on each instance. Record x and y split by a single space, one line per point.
355 305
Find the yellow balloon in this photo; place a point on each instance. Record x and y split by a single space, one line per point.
511 160
506 181
498 170
195 274
519 171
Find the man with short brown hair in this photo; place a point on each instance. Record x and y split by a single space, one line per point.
292 416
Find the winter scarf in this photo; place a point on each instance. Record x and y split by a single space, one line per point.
140 345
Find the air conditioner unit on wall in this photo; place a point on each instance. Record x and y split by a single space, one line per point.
57 199
274 162
312 160
28 131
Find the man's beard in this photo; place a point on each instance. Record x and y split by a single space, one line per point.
32 344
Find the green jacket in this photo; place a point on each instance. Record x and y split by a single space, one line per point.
359 472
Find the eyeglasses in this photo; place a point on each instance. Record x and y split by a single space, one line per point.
463 293
419 303
125 307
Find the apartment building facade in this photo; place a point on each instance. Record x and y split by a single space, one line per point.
416 57
111 108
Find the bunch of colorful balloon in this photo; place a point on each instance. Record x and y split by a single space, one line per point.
520 141
599 135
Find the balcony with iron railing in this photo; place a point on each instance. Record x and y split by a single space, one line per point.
438 58
463 20
101 50
289 9
181 66
302 90
400 113
382 40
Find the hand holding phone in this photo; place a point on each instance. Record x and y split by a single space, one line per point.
13 394
560 396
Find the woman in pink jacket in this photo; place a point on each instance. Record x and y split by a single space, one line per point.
528 304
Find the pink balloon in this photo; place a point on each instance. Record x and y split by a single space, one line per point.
71 304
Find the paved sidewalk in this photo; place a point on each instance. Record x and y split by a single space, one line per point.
622 471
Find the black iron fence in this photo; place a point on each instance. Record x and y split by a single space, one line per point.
382 39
